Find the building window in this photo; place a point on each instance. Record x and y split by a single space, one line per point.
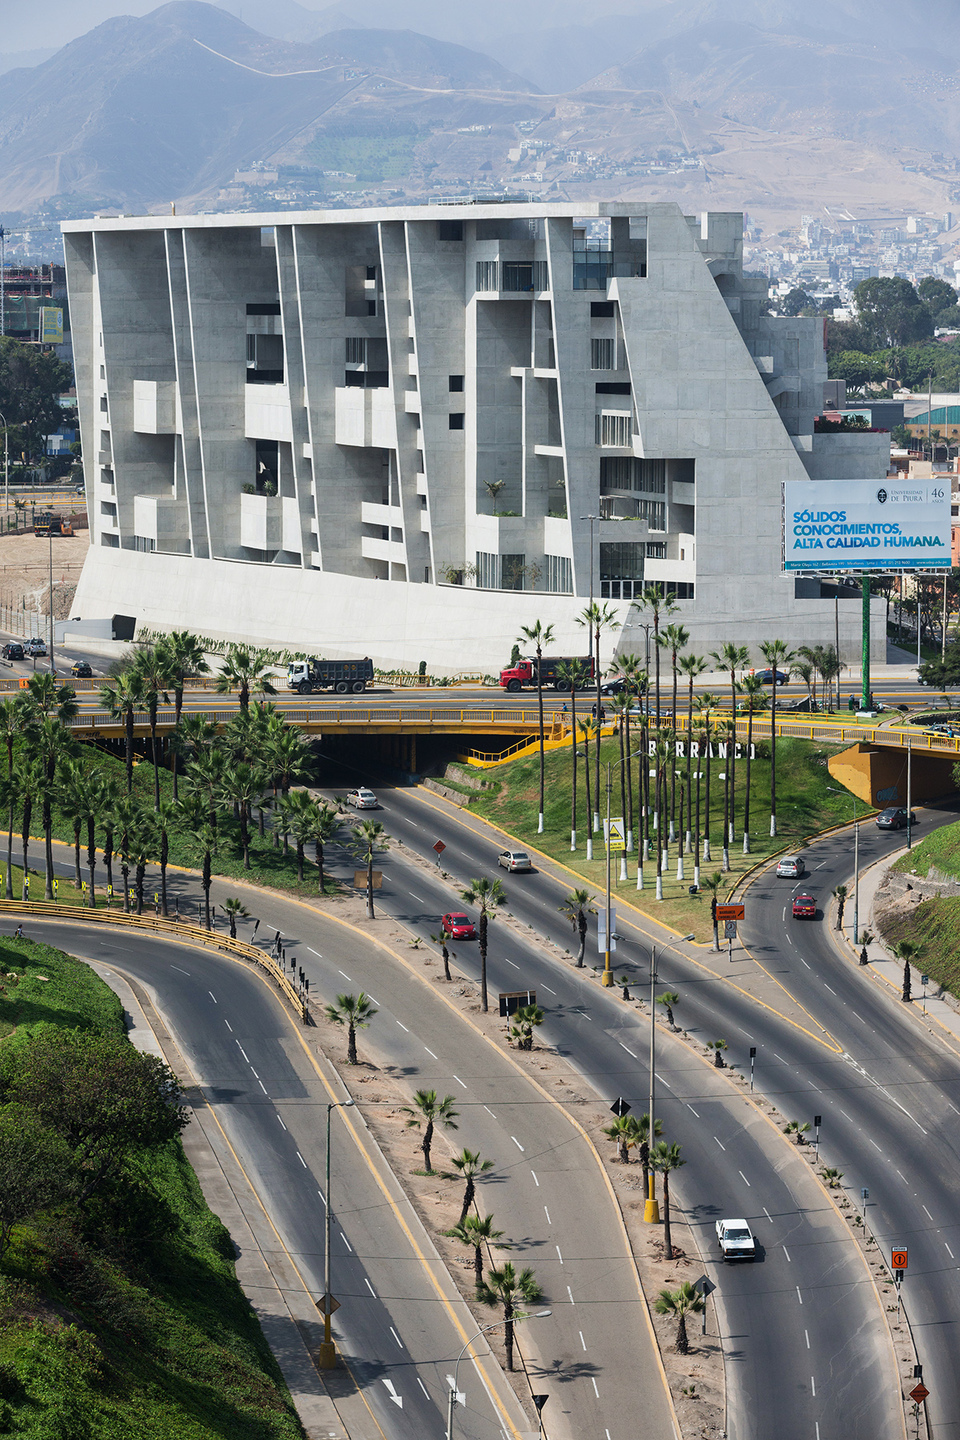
488 570
141 542
614 429
355 347
512 570
657 550
654 512
603 354
517 277
455 383
488 275
266 307
613 387
103 402
449 230
601 309
541 275
455 422
623 472
559 574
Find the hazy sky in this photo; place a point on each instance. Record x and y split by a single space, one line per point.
57 21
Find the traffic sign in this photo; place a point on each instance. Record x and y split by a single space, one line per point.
327 1304
898 1277
439 847
898 1258
729 929
616 835
730 912
919 1393
620 1106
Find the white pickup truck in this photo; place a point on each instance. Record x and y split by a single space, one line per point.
736 1240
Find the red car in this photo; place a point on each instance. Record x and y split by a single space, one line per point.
804 907
458 926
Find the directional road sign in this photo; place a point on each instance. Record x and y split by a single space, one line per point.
730 912
898 1257
919 1393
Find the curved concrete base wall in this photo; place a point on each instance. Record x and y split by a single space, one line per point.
398 625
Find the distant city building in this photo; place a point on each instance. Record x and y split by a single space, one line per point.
406 433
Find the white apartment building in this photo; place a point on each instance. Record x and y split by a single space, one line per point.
406 433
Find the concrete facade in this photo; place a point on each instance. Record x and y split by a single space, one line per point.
377 432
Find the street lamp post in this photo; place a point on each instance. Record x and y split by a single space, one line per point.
328 1350
6 466
611 766
452 1401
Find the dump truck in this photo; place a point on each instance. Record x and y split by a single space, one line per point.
339 675
524 672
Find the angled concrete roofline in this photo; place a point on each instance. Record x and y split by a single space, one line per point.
536 210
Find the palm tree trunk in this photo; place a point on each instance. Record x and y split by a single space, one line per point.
205 879
425 1144
77 824
706 813
91 860
108 857
351 1044
48 845
773 757
667 1240
128 735
732 762
153 753
370 914
582 929
25 836
483 961
596 792
164 853
299 857
468 1195
656 658
746 798
318 851
540 712
586 776
573 753
726 814
688 839
478 1264
626 766
8 883
140 873
178 710
125 873
508 1335
683 1344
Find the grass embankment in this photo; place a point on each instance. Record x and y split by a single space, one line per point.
804 806
934 925
268 865
125 1318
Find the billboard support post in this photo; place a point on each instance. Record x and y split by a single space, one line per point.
865 646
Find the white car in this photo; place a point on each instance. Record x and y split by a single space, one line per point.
790 867
736 1240
514 860
362 799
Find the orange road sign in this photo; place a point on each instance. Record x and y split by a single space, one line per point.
898 1259
730 912
919 1393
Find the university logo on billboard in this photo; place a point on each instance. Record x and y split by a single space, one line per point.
856 525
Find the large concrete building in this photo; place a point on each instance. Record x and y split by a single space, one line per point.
384 432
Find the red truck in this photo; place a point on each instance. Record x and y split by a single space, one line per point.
515 677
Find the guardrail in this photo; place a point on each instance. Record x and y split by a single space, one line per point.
195 934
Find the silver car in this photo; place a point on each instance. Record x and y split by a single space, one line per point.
363 799
514 860
790 867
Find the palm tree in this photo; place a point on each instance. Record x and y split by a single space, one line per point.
731 658
77 801
153 667
673 638
111 798
656 599
908 952
718 1047
208 839
628 666
691 666
642 1137
587 727
53 745
426 1113
234 910
577 907
668 999
369 839
243 670
797 1128
14 717
623 1131
777 655
286 753
685 1300
572 674
143 844
706 705
805 671
664 1159
538 636
324 827
475 1232
488 895
441 940
509 1288
122 699
29 776
184 656
621 718
752 687
597 617
525 1020
840 895
168 818
205 779
355 1012
729 729
712 886
470 1165
242 784
46 696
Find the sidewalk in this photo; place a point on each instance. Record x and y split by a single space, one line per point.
940 1012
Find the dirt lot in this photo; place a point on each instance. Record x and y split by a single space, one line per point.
25 575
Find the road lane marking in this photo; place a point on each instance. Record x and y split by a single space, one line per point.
799 1296
744 1178
696 1112
789 1261
954 1108
547 1213
369 1287
780 1058
813 1387
595 1390
628 1050
801 957
460 1082
417 897
229 1026
255 1075
806 1336
182 971
244 1053
927 1212
832 992
875 1145
547 987
301 1159
903 1177
949 1251
346 976
373 998
402 1026
582 1341
212 996
489 1111
429 1051
346 1242
314 952
262 1086
281 1121
720 1143
767 1213
534 1174
511 962
846 1116
423 1387
570 1293
557 1248
396 1337
516 1142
